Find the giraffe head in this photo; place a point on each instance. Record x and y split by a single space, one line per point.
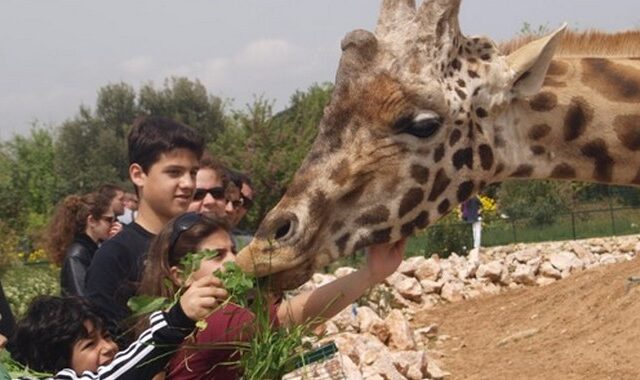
409 133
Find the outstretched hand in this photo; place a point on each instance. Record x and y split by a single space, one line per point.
384 259
202 297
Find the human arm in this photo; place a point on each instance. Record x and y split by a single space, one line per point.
328 300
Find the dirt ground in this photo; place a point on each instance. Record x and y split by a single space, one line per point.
582 327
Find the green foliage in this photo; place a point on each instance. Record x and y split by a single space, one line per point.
269 148
186 101
538 201
237 283
22 283
529 30
448 235
29 185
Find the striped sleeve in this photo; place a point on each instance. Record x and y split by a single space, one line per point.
148 355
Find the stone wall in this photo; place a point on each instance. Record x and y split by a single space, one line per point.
375 338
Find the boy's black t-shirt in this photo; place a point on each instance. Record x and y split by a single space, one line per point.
115 272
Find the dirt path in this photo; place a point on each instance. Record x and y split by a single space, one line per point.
582 327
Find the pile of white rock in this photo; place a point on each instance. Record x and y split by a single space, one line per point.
375 339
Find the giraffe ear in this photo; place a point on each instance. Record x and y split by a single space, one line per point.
531 61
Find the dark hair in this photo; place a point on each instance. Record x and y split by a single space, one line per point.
160 258
208 162
152 136
240 178
70 219
45 336
110 190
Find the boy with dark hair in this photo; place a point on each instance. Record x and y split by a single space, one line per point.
66 336
163 162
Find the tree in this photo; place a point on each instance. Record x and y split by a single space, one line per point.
185 101
269 148
538 201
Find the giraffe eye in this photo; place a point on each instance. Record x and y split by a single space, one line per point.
423 125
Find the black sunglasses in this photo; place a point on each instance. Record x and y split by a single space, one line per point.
182 224
216 193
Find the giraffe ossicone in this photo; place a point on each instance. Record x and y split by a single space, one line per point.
423 117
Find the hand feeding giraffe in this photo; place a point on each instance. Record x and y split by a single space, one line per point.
423 117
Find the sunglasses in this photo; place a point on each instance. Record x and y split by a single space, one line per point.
216 192
247 203
182 224
108 219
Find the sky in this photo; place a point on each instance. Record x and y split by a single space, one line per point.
56 54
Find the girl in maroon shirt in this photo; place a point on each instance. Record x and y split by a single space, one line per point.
216 358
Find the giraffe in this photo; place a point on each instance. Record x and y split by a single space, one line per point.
423 117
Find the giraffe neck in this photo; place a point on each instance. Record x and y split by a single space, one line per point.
583 125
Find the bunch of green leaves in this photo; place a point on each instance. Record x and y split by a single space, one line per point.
11 369
190 263
272 351
237 283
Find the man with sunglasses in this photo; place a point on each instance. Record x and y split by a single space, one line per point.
214 193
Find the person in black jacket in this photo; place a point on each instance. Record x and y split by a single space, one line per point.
79 224
65 336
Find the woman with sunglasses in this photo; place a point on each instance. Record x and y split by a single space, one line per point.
192 232
78 226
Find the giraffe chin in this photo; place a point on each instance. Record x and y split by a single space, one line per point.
288 279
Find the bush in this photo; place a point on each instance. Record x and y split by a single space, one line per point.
539 201
22 283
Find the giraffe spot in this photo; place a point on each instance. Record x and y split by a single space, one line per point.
481 185
410 201
617 82
538 150
472 74
420 173
340 175
597 150
485 57
550 82
440 184
458 122
498 141
464 191
318 205
499 168
444 206
353 196
438 153
558 68
455 137
456 64
544 101
481 112
342 241
461 94
627 127
299 186
376 237
420 222
463 157
486 156
539 131
336 226
461 83
578 116
563 171
524 170
376 215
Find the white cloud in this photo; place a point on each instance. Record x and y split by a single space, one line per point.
266 53
136 65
